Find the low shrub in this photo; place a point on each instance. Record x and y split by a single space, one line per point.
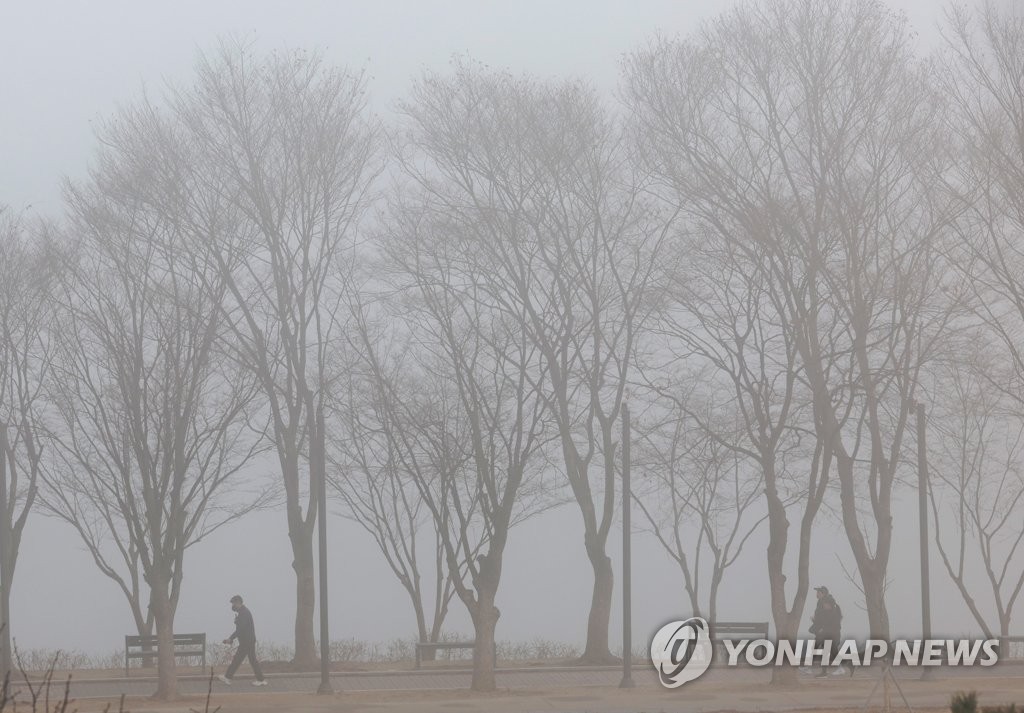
964 702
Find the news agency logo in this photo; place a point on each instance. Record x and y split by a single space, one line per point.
681 651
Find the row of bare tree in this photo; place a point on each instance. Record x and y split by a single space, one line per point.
790 234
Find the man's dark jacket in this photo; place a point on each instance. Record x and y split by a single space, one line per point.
245 630
827 618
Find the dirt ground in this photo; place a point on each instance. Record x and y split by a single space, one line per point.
824 697
569 700
272 667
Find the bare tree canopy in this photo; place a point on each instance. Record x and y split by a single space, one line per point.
698 492
26 275
794 135
979 388
152 423
468 435
371 467
285 143
981 71
978 503
563 241
782 239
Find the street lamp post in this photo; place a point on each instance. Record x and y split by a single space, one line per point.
922 506
627 608
321 514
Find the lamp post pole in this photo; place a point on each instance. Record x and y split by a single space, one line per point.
321 514
922 507
627 584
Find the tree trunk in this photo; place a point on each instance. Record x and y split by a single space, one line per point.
305 599
143 623
6 562
872 568
145 628
597 650
421 627
873 582
6 655
485 620
786 624
787 617
167 674
787 628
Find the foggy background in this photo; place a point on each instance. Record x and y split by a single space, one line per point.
62 65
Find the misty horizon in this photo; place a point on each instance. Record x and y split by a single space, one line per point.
69 161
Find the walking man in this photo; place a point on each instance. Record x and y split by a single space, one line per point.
245 632
826 623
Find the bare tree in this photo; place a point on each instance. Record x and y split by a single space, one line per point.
799 135
151 421
568 244
378 492
980 69
26 275
723 319
285 142
982 72
698 495
725 315
464 410
977 442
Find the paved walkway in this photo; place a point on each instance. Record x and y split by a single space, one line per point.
362 682
557 690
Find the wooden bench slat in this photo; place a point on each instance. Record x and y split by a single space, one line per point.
739 627
190 640
721 630
1007 648
184 645
421 645
733 627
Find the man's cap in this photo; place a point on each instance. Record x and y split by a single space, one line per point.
823 590
236 598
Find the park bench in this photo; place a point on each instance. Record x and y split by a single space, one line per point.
722 630
1011 648
145 647
422 646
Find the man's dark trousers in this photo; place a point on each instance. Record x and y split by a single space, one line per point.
245 650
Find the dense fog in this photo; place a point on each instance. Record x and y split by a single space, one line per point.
428 260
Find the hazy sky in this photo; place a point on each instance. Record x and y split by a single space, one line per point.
64 64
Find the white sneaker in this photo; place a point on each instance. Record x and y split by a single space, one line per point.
224 679
840 671
261 682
